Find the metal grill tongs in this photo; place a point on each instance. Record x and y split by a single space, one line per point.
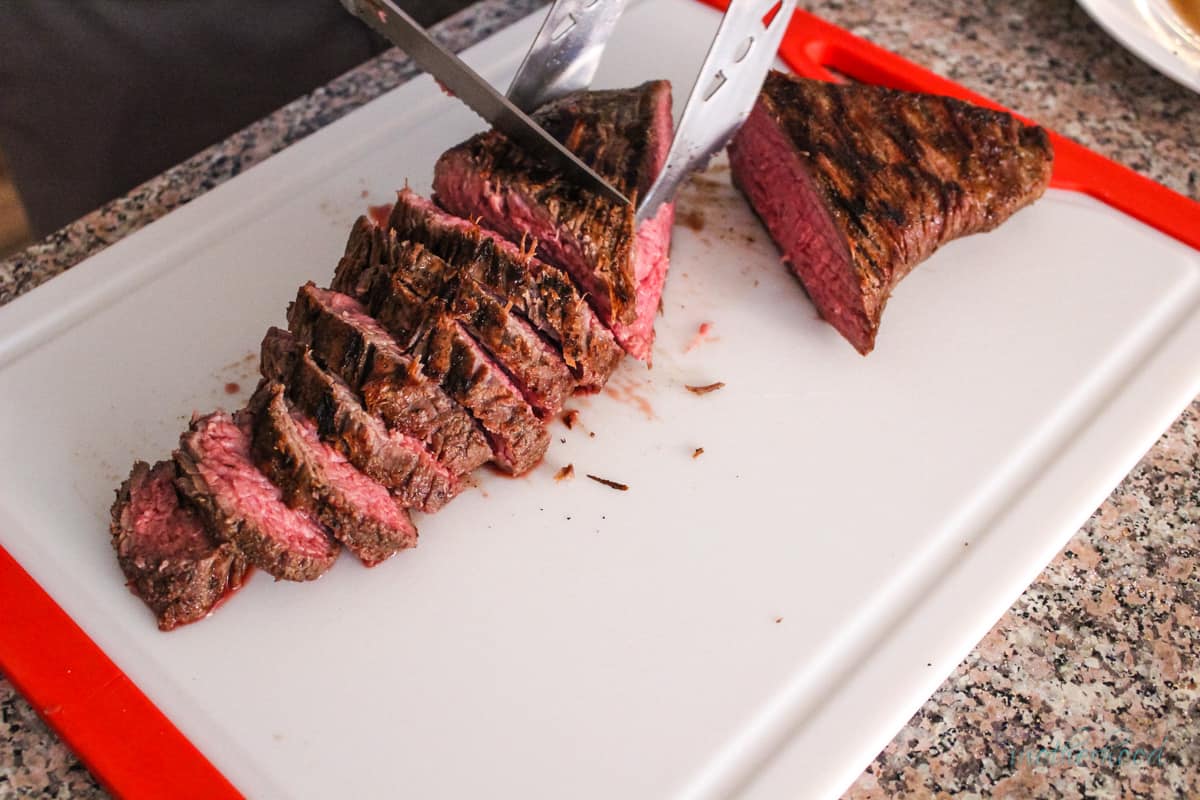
564 57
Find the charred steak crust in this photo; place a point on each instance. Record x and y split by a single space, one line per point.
313 476
364 355
609 130
534 365
399 462
170 561
451 356
893 175
239 505
544 295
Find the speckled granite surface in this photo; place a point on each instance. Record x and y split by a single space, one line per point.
1102 652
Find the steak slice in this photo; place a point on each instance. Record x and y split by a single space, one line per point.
357 349
535 366
239 505
170 560
395 459
362 514
624 135
451 356
544 295
858 184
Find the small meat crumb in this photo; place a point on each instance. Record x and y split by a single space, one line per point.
778 620
712 387
620 487
570 417
232 388
701 334
699 451
591 434
566 472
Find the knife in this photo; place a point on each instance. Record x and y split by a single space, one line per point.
464 83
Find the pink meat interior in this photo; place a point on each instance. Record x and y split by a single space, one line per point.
370 498
162 529
230 473
768 169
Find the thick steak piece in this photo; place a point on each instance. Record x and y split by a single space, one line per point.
858 184
398 461
352 345
240 505
542 294
362 514
536 367
622 134
450 355
170 560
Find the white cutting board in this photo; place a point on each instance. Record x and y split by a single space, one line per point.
762 618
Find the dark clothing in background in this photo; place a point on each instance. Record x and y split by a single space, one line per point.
97 96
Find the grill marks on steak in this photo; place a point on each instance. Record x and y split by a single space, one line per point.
398 461
857 184
542 294
240 505
534 364
362 353
624 135
314 476
450 355
170 561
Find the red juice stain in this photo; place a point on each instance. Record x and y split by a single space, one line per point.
629 393
379 214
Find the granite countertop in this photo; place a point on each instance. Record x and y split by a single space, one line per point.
1103 650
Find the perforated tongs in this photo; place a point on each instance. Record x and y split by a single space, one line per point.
564 57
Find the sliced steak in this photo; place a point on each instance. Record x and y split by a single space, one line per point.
362 514
536 367
543 294
170 560
624 135
450 355
357 349
398 461
240 505
857 184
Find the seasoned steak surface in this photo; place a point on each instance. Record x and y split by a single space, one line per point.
542 294
449 354
400 462
363 354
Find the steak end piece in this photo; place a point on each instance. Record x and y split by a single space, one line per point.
398 461
624 135
362 514
542 294
170 560
858 184
240 505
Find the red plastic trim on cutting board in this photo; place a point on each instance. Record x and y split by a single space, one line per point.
813 47
135 750
117 732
